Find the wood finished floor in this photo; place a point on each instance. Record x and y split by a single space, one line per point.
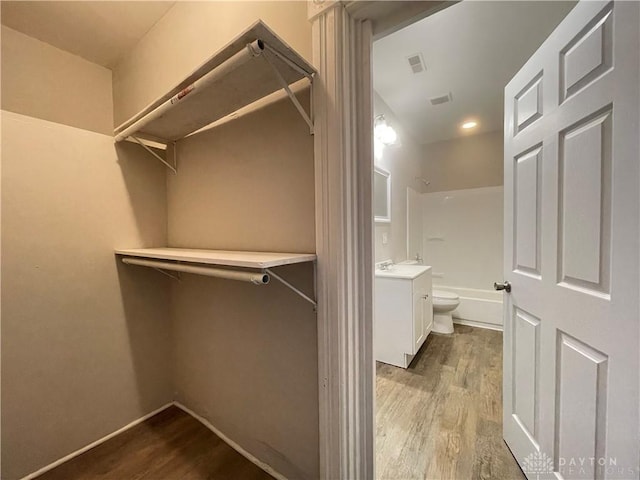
441 419
169 446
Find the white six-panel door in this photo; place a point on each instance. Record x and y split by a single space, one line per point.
572 246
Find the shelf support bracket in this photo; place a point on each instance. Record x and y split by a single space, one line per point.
171 275
291 95
291 287
171 167
293 65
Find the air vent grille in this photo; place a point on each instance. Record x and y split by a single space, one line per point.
441 99
415 63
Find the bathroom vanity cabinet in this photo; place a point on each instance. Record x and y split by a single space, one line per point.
403 313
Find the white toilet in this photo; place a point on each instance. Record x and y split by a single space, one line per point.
444 303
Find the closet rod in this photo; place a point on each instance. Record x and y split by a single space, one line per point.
253 277
252 50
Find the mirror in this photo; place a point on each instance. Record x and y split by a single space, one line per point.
381 195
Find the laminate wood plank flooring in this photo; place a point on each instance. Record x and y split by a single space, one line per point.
441 419
171 445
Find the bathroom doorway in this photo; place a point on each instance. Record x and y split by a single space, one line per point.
438 134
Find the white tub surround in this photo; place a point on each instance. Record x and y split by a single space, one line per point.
478 308
463 243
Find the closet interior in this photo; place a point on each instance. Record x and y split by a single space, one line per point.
194 284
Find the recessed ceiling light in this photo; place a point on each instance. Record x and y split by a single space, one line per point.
469 125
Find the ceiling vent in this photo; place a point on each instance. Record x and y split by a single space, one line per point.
441 99
416 63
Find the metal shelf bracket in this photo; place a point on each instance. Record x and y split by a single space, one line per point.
292 288
175 276
285 86
173 167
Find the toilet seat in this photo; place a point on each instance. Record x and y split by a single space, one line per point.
444 295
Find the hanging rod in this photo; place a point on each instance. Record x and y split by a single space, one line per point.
261 278
252 277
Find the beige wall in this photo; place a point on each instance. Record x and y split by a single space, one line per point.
468 162
246 185
403 162
245 357
189 34
85 342
89 345
44 82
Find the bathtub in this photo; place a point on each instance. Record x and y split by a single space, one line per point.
478 308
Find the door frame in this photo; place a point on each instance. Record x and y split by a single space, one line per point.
343 34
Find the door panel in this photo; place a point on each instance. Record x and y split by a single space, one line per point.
527 170
588 55
428 313
582 381
571 249
525 368
527 104
585 203
423 317
419 334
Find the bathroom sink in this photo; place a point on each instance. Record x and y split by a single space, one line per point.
403 271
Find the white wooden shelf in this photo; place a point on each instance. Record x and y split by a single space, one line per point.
252 66
256 260
204 262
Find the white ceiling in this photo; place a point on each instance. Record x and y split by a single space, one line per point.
99 31
471 49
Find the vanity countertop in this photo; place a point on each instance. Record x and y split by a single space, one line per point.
408 272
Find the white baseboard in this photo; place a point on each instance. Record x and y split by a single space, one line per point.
264 466
72 455
267 468
470 323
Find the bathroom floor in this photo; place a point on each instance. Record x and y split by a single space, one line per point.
441 419
170 445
